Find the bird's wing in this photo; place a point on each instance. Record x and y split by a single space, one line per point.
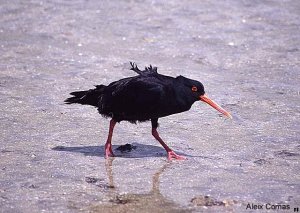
147 71
140 95
149 87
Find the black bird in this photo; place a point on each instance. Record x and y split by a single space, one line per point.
147 96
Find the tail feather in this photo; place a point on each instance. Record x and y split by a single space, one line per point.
77 97
87 97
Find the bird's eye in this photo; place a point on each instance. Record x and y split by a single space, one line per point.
194 89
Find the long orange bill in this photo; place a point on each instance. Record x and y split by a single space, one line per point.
207 100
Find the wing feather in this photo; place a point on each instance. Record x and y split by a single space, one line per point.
147 71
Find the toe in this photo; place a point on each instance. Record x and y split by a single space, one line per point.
172 154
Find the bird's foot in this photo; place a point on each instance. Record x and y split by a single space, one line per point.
172 154
108 151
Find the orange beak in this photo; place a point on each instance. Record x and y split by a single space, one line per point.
207 100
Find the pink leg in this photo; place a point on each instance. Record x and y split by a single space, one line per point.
171 153
108 147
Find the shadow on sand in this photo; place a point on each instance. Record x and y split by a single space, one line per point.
140 151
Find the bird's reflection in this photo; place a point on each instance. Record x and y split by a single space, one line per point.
153 201
109 172
155 178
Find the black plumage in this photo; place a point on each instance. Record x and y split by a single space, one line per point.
147 96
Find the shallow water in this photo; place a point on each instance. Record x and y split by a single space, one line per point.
246 53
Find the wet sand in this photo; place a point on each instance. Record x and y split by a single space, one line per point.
247 55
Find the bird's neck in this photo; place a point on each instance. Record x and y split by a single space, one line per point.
184 100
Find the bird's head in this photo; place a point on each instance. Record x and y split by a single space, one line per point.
196 90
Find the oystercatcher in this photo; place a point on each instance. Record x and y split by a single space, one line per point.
146 96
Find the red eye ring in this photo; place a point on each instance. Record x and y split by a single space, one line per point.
194 89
